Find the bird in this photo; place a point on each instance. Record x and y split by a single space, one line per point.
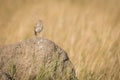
38 27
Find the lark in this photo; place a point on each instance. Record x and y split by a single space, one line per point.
38 28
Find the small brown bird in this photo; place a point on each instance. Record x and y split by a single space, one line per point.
38 27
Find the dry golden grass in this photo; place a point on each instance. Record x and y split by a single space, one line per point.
88 30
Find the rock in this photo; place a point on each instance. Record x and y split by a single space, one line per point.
35 59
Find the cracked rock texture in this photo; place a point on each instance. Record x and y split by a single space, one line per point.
35 59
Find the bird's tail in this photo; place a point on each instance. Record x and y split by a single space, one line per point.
35 33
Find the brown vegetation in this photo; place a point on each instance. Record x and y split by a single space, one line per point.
88 30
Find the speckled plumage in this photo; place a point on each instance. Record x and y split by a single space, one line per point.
38 28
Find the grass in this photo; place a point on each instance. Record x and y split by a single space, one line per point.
53 69
12 70
88 30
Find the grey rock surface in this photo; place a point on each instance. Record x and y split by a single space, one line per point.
35 59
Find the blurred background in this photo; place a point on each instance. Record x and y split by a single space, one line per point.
89 30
